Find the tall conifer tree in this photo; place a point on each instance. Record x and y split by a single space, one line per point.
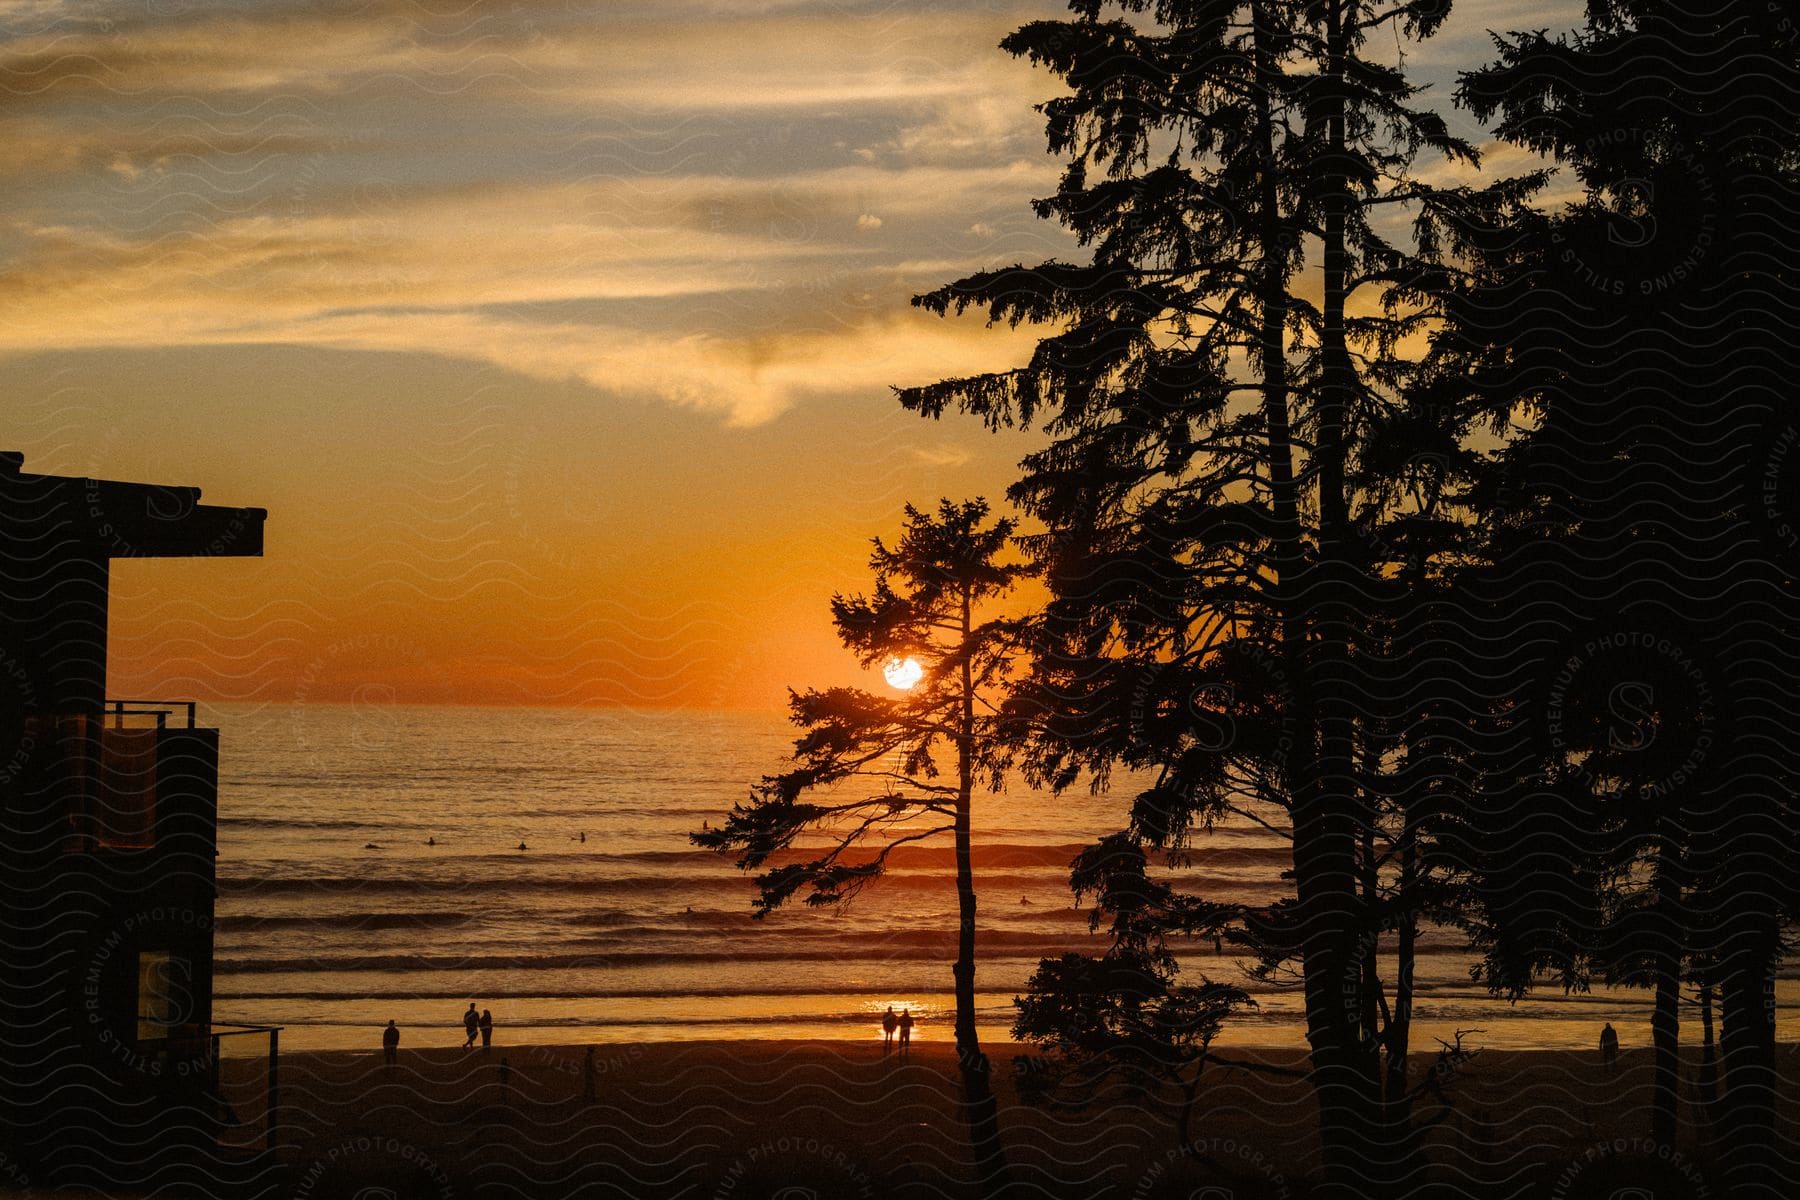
1637 348
1201 496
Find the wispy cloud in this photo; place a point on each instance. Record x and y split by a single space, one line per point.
505 180
502 181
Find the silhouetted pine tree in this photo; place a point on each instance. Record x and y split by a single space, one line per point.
1204 496
1122 1019
880 760
1635 349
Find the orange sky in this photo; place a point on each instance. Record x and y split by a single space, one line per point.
555 337
475 537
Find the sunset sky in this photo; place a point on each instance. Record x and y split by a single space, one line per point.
555 335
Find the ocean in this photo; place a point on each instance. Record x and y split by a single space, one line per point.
370 869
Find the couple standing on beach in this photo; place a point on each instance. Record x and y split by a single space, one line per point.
889 1023
478 1025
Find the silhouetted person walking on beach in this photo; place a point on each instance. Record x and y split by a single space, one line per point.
1609 1048
906 1024
889 1023
390 1044
487 1028
471 1025
589 1085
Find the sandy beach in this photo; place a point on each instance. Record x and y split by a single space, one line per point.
833 1119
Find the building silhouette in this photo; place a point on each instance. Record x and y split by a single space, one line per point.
108 822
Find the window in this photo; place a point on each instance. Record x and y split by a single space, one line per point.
165 993
125 806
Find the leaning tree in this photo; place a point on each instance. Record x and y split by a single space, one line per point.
873 773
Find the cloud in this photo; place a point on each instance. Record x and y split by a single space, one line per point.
660 199
540 53
445 286
219 54
461 270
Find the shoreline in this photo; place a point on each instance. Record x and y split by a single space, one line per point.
1575 1033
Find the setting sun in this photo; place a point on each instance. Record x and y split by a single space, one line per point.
902 673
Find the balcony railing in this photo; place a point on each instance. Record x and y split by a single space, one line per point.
139 772
251 1083
159 714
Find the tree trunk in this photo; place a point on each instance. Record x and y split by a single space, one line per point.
1369 940
1324 843
1707 1086
1406 951
1747 1044
1665 1017
1665 1038
1325 816
1189 1093
1337 374
1399 1032
978 1096
1272 288
968 1045
993 1176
